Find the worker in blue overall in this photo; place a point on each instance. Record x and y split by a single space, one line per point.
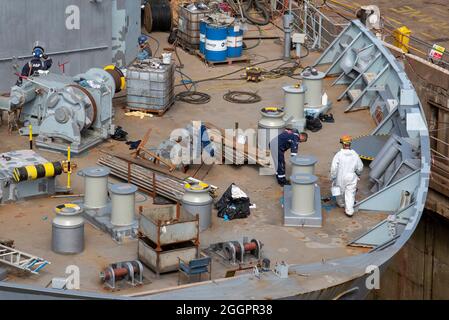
40 61
144 47
288 139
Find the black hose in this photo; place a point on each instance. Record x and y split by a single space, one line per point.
242 97
193 97
157 15
155 40
259 40
235 71
261 8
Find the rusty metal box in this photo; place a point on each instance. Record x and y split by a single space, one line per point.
165 260
162 226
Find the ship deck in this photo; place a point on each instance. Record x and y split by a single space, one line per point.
28 222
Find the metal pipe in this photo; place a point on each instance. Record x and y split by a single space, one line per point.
59 52
305 17
320 26
141 180
166 187
288 19
391 140
380 168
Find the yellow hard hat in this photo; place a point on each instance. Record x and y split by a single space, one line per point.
346 139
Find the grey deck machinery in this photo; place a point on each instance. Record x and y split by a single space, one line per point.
302 199
67 111
24 174
114 214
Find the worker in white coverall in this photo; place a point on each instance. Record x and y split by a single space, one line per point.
345 171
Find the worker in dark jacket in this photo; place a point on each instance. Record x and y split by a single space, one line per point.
40 61
288 139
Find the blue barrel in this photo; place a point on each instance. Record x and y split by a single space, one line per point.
235 41
216 37
203 36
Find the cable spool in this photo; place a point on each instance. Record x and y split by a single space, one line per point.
157 16
118 76
38 171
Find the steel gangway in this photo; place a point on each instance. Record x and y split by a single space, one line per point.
21 260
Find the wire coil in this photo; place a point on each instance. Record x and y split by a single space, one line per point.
193 97
242 97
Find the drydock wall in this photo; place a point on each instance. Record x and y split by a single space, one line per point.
77 33
420 270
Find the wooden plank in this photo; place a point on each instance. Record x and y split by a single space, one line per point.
156 112
143 142
157 159
186 47
243 58
439 187
142 152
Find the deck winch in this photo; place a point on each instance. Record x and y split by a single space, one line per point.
129 271
238 252
66 110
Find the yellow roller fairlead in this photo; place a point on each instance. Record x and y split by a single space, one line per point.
32 172
38 171
49 169
122 77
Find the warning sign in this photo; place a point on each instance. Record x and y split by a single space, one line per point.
437 52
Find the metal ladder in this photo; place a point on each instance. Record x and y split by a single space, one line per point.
21 260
